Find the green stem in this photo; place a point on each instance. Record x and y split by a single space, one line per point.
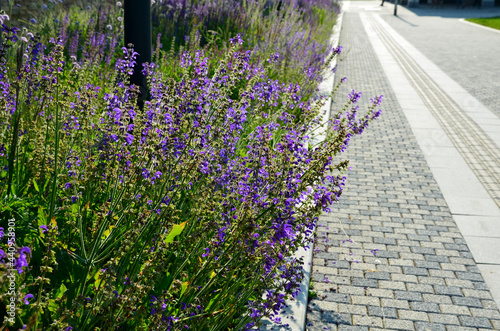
15 137
56 156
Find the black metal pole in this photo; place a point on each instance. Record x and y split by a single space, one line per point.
138 31
395 7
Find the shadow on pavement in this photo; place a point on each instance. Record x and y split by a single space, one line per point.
407 22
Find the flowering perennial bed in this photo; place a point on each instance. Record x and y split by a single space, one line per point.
180 215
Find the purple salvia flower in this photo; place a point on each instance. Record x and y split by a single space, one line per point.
129 138
21 261
44 228
26 298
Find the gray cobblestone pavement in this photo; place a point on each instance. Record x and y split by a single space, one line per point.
390 256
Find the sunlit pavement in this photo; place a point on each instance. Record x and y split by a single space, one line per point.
421 207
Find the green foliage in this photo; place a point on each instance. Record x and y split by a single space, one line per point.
491 22
185 213
311 294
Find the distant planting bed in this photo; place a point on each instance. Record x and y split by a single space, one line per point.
491 22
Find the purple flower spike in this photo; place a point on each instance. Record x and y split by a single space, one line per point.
236 40
129 138
27 297
25 250
354 97
44 228
21 263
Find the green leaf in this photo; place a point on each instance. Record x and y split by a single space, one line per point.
36 186
46 183
184 287
214 300
107 232
176 230
52 306
60 291
74 208
42 218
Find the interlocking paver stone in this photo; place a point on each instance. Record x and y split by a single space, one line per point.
352 328
459 328
338 297
352 309
398 324
477 294
385 312
369 321
425 307
444 319
489 304
365 300
469 302
454 309
431 280
490 313
422 275
336 318
448 290
424 326
469 276
436 298
475 322
428 265
403 304
496 324
422 288
410 296
415 271
392 285
413 315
